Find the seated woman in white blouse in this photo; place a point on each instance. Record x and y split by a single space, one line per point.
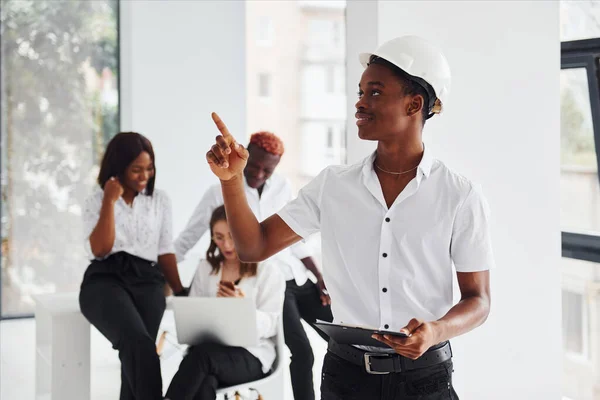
209 366
128 237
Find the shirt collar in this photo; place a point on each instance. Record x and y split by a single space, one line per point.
426 162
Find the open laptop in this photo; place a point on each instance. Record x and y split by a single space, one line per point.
227 321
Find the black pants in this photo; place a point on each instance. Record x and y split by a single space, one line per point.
207 367
123 297
302 302
343 380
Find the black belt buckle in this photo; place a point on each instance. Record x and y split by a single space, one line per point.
367 358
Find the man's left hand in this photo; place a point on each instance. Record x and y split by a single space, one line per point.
423 335
324 294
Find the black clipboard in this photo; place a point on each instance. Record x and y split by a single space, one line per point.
347 334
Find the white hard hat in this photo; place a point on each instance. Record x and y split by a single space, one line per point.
419 59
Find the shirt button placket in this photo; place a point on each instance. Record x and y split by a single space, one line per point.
385 312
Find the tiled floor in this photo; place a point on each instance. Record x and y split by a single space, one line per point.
17 368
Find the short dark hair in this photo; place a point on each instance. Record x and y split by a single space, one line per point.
412 86
121 151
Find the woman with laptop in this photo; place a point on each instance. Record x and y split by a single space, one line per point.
128 238
208 366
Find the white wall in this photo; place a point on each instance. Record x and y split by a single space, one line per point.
361 17
181 60
501 129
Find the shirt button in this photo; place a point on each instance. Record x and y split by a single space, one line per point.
384 290
386 326
387 220
384 255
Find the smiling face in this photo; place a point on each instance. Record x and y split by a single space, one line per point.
383 109
139 172
260 166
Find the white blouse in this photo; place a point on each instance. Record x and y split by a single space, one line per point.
143 229
268 290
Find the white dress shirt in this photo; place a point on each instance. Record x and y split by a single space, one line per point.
385 266
144 229
267 288
276 193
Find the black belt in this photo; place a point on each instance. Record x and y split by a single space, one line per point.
126 267
384 363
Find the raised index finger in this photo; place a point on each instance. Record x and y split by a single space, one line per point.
223 129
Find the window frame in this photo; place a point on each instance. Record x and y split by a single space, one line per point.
584 54
584 355
266 22
268 76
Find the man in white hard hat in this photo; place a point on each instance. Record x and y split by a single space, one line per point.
392 227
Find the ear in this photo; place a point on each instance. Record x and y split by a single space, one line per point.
415 105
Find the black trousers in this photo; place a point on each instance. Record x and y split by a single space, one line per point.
207 367
343 380
123 297
302 302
